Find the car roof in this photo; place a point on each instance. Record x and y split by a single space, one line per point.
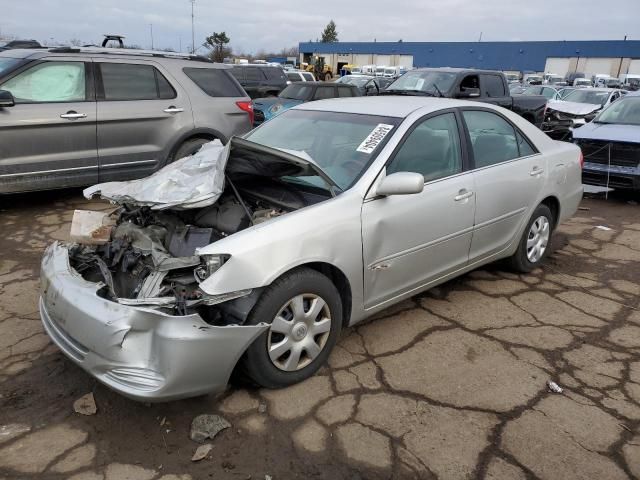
124 53
453 70
385 105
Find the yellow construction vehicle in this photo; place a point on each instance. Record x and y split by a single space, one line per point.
321 70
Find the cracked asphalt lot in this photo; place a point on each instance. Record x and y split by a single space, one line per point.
449 385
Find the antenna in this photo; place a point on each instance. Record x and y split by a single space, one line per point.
193 34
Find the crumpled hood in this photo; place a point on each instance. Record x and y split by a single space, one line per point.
198 181
190 182
608 132
573 108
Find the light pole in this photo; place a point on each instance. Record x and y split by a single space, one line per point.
151 26
193 34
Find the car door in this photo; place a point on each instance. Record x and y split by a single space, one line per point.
493 90
48 138
508 176
140 116
411 240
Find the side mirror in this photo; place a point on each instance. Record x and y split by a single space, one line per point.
469 93
400 183
6 99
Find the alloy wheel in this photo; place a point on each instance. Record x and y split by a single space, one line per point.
299 332
538 238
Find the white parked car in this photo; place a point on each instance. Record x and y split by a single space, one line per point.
260 252
299 76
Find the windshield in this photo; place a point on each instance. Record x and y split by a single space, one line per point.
343 145
351 80
7 64
429 81
297 91
625 112
588 96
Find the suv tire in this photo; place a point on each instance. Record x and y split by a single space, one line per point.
188 148
320 330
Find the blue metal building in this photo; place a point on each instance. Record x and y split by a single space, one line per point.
516 56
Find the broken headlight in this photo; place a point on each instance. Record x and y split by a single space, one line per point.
210 264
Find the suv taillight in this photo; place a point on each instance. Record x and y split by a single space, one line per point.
246 106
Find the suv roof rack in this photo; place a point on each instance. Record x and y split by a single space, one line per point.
131 51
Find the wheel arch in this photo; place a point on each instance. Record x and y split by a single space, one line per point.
338 278
554 205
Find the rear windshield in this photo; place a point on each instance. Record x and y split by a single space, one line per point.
215 82
298 91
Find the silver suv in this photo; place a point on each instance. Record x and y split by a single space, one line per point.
73 117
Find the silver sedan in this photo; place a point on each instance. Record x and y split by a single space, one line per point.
256 255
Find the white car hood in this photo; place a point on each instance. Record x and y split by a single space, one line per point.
573 108
190 182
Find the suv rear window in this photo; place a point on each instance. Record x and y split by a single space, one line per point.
127 81
215 82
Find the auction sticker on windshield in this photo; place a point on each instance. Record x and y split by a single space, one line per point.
374 138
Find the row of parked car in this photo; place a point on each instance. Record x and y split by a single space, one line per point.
110 114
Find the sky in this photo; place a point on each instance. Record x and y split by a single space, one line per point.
271 25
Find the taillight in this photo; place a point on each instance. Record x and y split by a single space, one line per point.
246 106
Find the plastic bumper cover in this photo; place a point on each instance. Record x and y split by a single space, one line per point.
141 353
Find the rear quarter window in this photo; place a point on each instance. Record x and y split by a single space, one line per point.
215 82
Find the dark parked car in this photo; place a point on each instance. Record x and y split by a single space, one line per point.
261 80
480 85
14 44
266 108
77 116
367 84
611 146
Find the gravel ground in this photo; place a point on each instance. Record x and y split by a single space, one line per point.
450 384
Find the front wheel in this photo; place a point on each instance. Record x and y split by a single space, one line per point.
533 246
305 312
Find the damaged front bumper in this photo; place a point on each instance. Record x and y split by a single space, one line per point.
142 353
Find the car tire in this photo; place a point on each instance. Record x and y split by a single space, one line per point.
534 244
290 333
188 148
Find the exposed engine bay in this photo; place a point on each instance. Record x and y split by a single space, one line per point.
148 256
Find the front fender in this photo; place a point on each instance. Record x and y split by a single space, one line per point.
327 232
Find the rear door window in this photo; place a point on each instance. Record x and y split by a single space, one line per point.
214 82
49 82
493 86
253 74
492 137
274 73
128 81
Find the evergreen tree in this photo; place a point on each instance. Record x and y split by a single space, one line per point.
329 35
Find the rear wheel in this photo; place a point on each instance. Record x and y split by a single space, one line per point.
305 313
533 247
188 148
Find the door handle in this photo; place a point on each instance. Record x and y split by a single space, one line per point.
173 109
536 171
463 194
71 115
